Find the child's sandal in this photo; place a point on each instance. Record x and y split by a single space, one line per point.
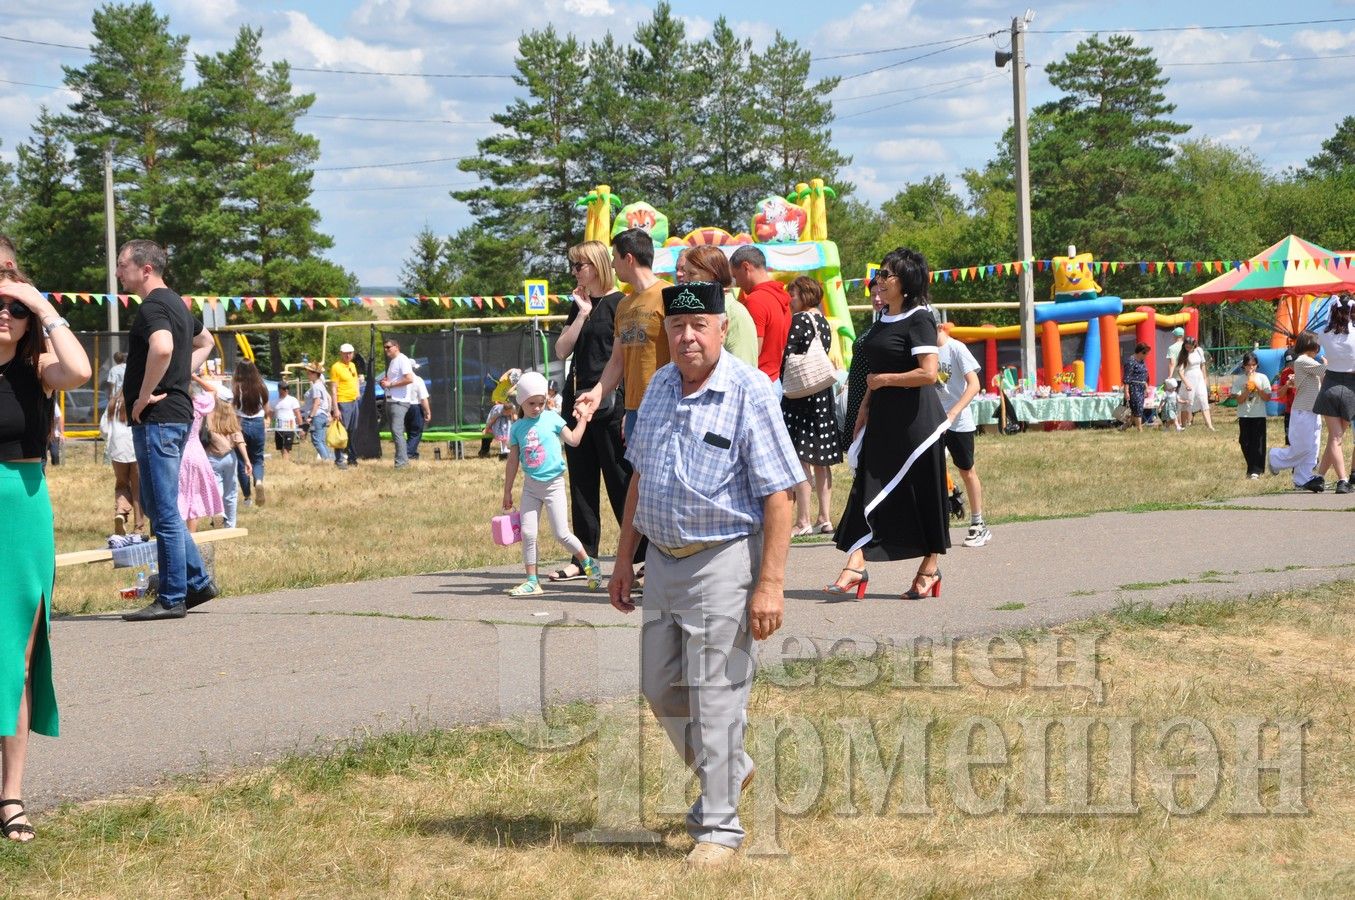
526 589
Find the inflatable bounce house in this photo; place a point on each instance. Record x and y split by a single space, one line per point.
1093 332
792 232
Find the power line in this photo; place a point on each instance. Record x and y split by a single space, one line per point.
916 87
394 74
411 162
54 87
920 97
404 121
19 40
913 58
1189 27
1253 62
896 49
397 187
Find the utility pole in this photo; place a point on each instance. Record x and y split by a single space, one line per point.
1026 283
110 233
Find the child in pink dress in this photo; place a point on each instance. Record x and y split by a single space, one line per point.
199 497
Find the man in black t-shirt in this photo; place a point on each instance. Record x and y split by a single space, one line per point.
167 346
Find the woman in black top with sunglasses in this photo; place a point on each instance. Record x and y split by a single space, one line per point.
898 507
38 356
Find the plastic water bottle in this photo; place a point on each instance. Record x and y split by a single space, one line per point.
141 582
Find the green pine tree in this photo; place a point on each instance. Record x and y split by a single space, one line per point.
250 228
1100 154
731 166
796 118
60 229
425 271
131 100
529 169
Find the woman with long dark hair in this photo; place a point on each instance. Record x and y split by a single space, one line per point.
1192 366
898 508
1336 399
250 395
38 356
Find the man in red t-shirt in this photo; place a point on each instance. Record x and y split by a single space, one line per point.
767 302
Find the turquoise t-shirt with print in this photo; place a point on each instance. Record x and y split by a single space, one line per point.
539 448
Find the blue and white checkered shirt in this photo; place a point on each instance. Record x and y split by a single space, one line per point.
707 462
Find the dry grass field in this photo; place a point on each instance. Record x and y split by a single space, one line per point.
323 526
475 813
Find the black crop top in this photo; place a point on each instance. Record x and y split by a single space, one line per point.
25 413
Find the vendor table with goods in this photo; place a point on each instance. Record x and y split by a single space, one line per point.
1055 408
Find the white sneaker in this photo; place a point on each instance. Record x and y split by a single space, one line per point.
978 536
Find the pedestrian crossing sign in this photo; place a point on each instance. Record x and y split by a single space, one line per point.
536 291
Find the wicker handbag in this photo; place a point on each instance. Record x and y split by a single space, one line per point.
805 374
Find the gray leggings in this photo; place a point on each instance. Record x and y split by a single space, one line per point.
551 495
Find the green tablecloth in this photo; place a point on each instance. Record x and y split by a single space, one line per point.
1097 408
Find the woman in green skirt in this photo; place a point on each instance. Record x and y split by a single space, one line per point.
38 355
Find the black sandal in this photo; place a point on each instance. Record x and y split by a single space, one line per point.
8 826
563 574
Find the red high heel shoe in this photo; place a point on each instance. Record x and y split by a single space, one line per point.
933 590
839 593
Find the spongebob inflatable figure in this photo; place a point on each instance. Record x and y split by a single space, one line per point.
1073 277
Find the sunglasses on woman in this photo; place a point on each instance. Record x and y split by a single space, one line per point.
15 309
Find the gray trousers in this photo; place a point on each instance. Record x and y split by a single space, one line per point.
397 413
696 670
551 495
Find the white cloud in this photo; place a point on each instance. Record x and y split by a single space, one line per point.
911 150
589 8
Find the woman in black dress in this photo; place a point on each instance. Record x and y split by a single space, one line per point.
811 421
600 458
854 577
897 508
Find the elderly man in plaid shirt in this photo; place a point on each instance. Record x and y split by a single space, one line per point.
713 464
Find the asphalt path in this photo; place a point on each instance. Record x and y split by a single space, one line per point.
244 680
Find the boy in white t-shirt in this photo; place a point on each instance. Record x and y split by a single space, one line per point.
286 416
958 382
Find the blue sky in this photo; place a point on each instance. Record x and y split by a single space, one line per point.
941 114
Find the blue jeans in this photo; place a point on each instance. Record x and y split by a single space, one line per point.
348 415
628 423
416 425
253 430
319 423
226 482
159 449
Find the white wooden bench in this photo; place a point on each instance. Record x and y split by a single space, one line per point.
80 557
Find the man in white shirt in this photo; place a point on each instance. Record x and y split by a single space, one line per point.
399 376
286 414
958 381
420 414
1174 349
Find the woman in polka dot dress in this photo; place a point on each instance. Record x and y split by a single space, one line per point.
812 420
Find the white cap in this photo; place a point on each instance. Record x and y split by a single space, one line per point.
346 348
1169 383
531 384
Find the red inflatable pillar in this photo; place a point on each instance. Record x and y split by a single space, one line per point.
1111 373
990 353
1052 352
1193 324
1146 333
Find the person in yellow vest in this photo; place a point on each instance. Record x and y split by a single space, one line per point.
343 375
